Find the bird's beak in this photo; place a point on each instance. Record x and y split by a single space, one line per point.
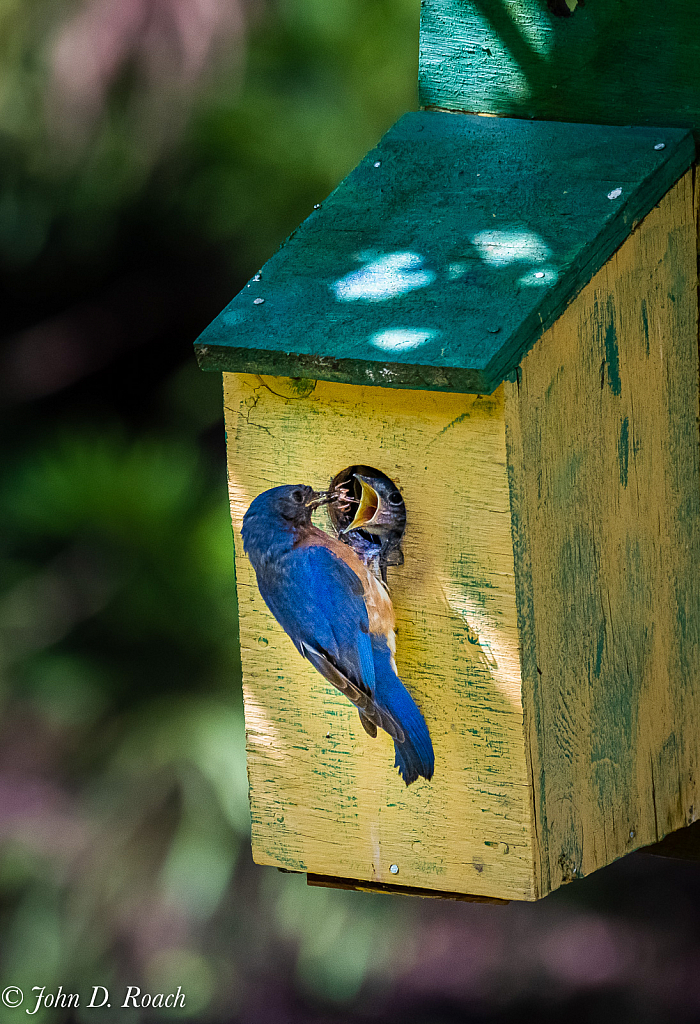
370 505
323 498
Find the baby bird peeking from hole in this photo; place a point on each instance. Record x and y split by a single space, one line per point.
370 516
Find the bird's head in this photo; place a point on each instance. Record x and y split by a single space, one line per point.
380 508
278 513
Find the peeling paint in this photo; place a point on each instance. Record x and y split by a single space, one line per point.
623 450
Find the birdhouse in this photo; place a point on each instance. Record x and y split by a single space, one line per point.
500 315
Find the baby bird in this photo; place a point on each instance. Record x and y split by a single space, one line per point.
370 516
338 615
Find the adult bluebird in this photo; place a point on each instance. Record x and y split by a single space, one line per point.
338 615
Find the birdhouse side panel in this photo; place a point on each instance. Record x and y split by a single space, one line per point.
326 797
603 443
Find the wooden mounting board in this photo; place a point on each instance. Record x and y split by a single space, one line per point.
598 61
446 253
325 798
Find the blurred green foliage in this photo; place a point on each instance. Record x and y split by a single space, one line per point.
239 154
123 794
319 92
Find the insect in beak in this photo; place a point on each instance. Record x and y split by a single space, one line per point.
323 498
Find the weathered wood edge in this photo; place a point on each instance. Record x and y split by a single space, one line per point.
470 380
533 732
358 885
343 371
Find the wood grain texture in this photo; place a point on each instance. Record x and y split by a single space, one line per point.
446 253
325 797
603 444
609 62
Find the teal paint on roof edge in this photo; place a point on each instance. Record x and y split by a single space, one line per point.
443 257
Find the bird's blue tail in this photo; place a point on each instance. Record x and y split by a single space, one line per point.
415 755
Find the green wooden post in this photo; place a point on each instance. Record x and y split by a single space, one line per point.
613 62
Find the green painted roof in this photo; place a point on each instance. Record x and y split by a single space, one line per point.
438 262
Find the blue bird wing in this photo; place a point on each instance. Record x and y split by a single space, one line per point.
319 602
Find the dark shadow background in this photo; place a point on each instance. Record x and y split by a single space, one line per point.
153 153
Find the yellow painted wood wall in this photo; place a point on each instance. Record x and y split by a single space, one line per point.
325 797
603 447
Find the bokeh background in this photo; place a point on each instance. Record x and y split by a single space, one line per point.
153 153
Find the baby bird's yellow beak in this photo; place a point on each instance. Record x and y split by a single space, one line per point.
369 509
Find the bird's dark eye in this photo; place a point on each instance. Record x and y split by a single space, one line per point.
297 496
395 498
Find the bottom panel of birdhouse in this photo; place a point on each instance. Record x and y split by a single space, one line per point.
325 795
